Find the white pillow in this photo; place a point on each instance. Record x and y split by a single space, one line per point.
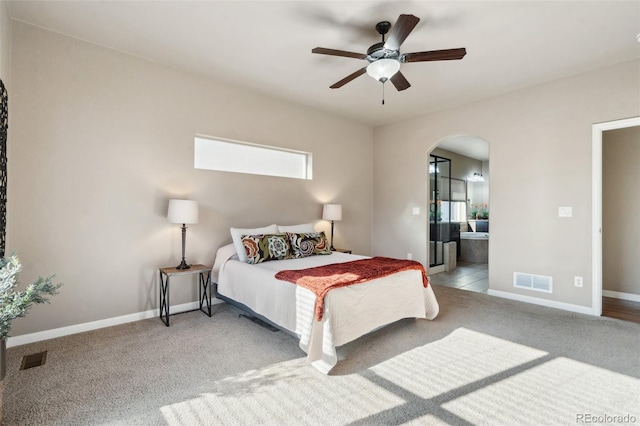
237 233
296 229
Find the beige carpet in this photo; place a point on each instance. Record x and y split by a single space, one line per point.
483 361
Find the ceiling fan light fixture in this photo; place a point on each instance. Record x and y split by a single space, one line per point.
383 69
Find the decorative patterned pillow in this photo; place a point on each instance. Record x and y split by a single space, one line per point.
265 247
237 233
305 244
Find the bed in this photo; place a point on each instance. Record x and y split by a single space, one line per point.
349 312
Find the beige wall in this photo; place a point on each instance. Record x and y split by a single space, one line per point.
540 147
100 141
620 207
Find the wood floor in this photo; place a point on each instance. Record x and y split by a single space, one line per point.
621 309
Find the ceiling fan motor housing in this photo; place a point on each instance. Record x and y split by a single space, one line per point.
377 51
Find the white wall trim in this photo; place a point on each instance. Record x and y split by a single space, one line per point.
435 269
544 302
596 219
620 295
596 203
94 325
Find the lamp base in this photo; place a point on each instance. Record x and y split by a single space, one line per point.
332 248
183 265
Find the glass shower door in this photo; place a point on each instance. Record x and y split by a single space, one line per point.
439 185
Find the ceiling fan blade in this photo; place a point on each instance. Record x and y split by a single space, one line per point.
349 78
400 31
335 52
434 55
400 81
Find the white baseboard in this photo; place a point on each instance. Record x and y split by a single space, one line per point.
543 302
619 295
94 325
436 269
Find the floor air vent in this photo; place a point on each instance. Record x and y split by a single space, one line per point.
533 282
35 360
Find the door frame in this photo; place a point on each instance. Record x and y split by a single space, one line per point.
596 196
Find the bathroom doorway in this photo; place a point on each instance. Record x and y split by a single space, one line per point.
458 201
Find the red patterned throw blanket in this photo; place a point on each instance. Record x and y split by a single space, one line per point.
321 279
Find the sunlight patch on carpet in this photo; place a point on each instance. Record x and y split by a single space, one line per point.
561 388
429 420
461 358
291 392
465 376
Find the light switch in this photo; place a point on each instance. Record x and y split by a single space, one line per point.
565 212
416 211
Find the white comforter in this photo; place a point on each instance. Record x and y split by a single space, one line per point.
350 312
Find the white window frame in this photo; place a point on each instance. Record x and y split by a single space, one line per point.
227 155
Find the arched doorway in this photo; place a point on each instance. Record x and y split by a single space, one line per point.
459 213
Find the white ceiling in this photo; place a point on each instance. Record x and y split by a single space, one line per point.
266 45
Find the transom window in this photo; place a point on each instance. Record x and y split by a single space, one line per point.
240 157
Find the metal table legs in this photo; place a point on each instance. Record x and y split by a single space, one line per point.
204 294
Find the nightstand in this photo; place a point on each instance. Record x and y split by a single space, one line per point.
343 250
204 288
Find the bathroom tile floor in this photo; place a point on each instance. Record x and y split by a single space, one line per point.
467 276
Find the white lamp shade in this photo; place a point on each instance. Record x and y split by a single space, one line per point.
383 69
332 212
183 211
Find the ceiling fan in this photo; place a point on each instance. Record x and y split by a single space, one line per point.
385 58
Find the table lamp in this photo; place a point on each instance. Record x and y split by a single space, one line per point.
184 212
332 212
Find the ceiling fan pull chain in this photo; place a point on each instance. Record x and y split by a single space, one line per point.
382 93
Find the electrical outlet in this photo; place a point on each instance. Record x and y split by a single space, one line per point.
409 256
416 211
577 281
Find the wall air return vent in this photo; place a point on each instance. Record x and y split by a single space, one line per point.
533 282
